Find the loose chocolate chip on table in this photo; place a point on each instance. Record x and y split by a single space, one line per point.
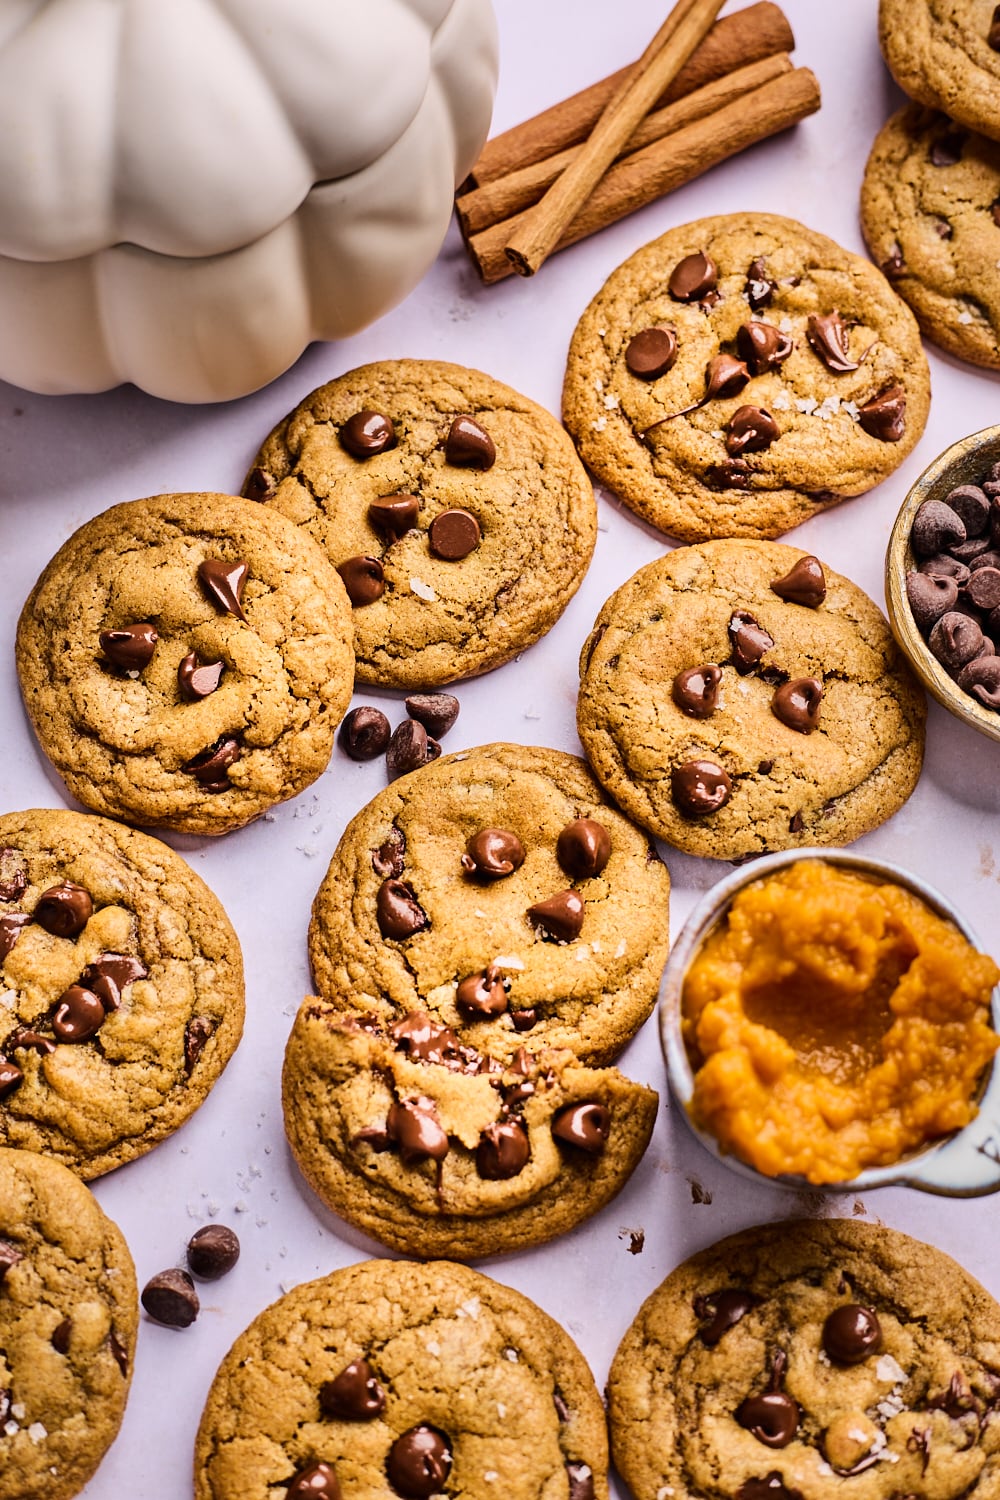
209 767
930 596
700 787
586 1125
981 678
762 346
364 733
398 911
751 429
410 747
503 1151
796 704
724 1309
13 874
983 588
394 515
828 338
78 1015
197 679
367 433
651 353
196 1033
11 927
414 1125
170 1298
851 1333
130 647
482 994
583 848
692 277
993 35
364 579
64 910
454 534
947 149
419 1462
759 287
11 1077
804 583
971 505
884 416
354 1395
437 712
955 639
749 640
9 1257
317 1482
492 854
223 583
696 690
213 1251
559 917
771 1416
261 484
60 1336
469 445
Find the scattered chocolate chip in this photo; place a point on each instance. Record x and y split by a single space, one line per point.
414 1126
751 429
393 516
723 1309
804 583
213 1251
772 1417
11 927
60 1336
492 854
131 647
955 639
197 679
762 346
398 911
437 712
64 910
981 678
558 917
930 596
9 1257
13 874
469 445
354 1395
936 528
993 35
410 747
828 338
583 848
851 1333
893 265
78 1016
317 1482
883 417
261 485
419 1462
651 353
525 1019
223 583
971 505
749 640
170 1298
364 734
482 994
692 277
947 149
196 1033
367 433
364 579
586 1125
695 691
759 287
796 704
503 1150
209 766
454 534
700 787
389 858
11 1077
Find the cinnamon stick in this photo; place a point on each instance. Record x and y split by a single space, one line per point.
518 190
761 30
668 163
537 232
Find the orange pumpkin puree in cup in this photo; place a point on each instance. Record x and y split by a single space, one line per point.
834 1023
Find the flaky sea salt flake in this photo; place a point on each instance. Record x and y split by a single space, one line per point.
422 590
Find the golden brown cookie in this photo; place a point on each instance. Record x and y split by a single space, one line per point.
185 661
930 211
741 373
122 983
391 1379
946 54
808 1361
68 1318
740 697
455 509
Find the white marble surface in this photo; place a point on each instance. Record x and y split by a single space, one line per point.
64 459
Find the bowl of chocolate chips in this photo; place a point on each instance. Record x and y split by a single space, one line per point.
942 579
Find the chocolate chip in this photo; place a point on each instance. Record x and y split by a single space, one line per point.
983 588
60 1336
364 579
731 474
354 1395
559 1402
981 678
393 516
525 1019
724 376
410 747
364 733
971 505
930 596
883 417
651 353
993 35
583 848
437 712
24 1037
796 823
762 346
261 485
11 1077
131 647
197 679
209 766
695 691
586 1126
503 1150
106 991
223 583
11 927
170 1298
317 1482
79 1015
454 534
692 277
469 445
893 265
367 433
955 639
724 1309
700 787
426 1040
419 1462
196 1033
482 994
415 1127
796 704
64 910
389 857
558 917
749 641
121 969
851 1333
988 559
751 429
213 1251
13 874
398 911
943 566
804 583
969 551
765 767
118 1353
769 1488
771 1417
10 1255
947 149
828 338
759 289
580 1478
943 229
492 854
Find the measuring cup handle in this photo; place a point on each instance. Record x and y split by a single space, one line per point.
965 1167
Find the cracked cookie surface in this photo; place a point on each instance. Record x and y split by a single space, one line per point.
111 637
710 473
501 1397
68 1319
806 1361
939 53
437 618
137 948
930 203
774 786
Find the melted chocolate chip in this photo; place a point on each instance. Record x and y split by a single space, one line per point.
11 1077
724 1309
759 289
696 690
410 747
762 346
946 150
796 703
196 1033
851 1333
393 516
64 910
772 1417
416 1129
692 277
493 854
419 1462
426 1040
503 1150
364 579
768 1488
223 583
749 640
558 917
118 1353
364 734
209 766
317 1482
651 353
170 1298
731 474
525 1019
482 994
389 858
11 927
893 265
700 787
367 433
804 583
354 1395
993 35
197 679
60 1336
751 429
10 1255
213 1251
78 1016
580 1478
398 911
437 712
261 485
883 417
586 1126
13 874
469 445
25 1038
583 848
828 337
131 647
454 534
724 376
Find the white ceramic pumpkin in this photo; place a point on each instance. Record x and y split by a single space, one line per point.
192 190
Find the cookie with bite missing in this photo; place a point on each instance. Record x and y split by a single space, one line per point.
740 697
815 1358
741 373
946 54
455 509
395 1379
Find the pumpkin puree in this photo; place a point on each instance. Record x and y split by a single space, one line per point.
834 1023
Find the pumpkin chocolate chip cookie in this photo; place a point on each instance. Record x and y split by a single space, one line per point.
739 697
455 510
810 1360
741 373
395 1379
930 211
946 54
68 1318
123 984
185 661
